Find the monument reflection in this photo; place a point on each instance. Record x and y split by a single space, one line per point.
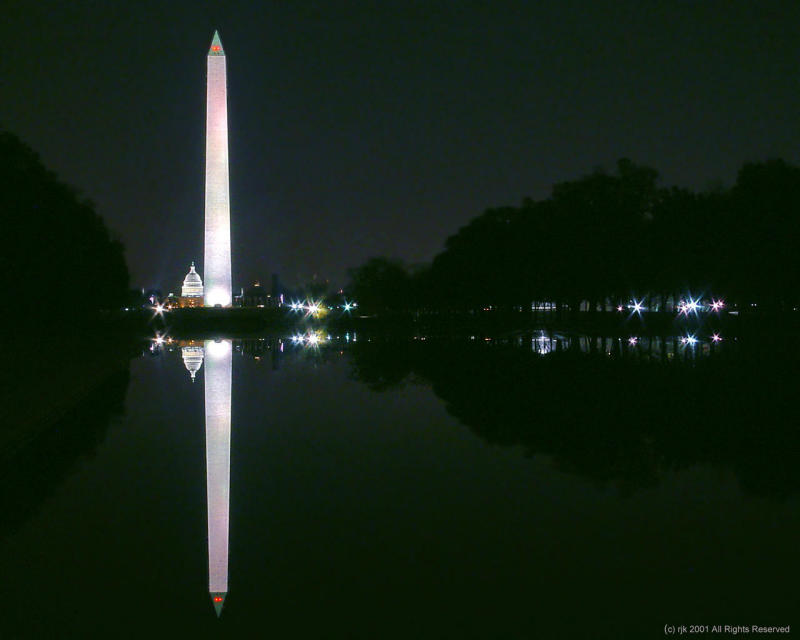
217 357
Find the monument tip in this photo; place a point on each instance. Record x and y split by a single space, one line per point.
216 46
218 599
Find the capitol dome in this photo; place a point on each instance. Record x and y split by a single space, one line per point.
192 284
192 359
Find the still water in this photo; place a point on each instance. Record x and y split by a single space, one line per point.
536 486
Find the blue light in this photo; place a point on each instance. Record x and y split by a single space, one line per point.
691 306
637 306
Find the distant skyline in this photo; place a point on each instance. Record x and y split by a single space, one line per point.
380 128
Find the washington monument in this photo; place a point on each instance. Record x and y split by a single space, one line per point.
217 258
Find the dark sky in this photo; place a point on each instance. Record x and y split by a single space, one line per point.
379 128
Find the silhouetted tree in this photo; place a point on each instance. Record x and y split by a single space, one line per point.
57 249
763 232
381 284
316 288
618 237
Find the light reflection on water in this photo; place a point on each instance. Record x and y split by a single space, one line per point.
679 346
550 466
320 344
217 382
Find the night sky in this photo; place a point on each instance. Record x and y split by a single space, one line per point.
381 129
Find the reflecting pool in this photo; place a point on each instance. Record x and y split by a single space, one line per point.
526 485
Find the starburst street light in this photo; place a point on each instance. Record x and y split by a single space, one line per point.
690 340
691 306
717 305
637 307
312 307
633 340
716 337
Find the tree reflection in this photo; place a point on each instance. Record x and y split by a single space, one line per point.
33 473
611 418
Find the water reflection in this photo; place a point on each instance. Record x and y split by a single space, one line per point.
218 464
34 471
659 347
616 410
610 408
192 359
357 507
218 356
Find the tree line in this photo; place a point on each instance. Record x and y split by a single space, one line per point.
610 238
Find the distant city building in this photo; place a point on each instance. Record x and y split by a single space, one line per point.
277 290
151 296
255 296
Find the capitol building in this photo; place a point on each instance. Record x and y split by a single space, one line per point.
192 290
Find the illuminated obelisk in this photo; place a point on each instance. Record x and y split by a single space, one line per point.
218 361
217 257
